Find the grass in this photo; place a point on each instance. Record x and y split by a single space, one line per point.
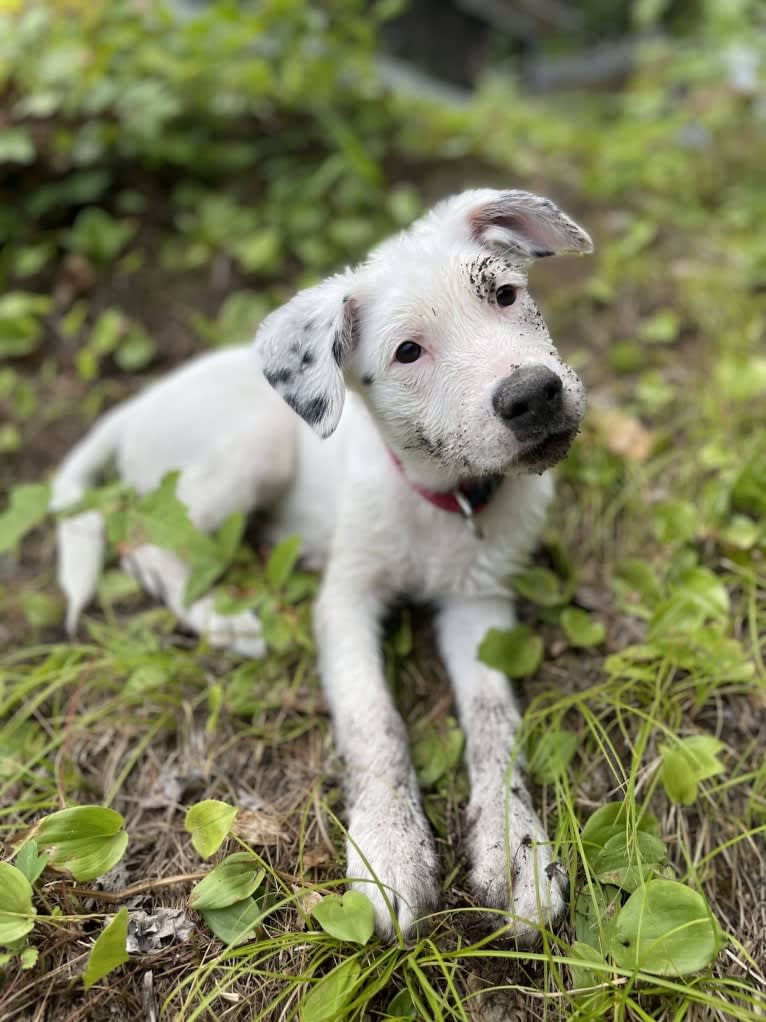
658 536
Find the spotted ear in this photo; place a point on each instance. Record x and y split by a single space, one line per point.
527 224
302 347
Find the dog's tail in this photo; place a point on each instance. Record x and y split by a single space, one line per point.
80 539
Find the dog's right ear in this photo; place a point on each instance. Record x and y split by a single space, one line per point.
302 347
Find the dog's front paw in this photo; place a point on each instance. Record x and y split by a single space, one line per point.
391 858
512 866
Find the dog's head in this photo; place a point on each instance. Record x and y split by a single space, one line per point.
439 335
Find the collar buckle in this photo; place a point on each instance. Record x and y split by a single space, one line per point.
467 512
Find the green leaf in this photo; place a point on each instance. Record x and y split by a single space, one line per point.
628 860
136 350
232 880
28 507
518 652
20 322
209 823
581 628
17 913
595 912
401 1006
582 976
109 951
16 146
540 586
30 861
612 819
437 752
97 235
235 922
661 328
282 560
326 1000
687 762
348 916
86 841
551 754
28 957
665 928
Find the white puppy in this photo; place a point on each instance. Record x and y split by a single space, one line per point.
430 374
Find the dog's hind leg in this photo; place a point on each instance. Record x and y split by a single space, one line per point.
163 574
234 474
511 863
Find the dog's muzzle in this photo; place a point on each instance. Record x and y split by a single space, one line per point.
531 404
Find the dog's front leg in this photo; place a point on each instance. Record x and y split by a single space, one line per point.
511 863
390 850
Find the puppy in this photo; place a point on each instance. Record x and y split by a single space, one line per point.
401 417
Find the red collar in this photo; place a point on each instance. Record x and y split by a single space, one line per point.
467 499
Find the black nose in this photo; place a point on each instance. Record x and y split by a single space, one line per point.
529 401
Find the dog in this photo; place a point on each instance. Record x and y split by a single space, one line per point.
401 417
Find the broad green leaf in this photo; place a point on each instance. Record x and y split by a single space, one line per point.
687 762
540 586
595 912
437 752
517 652
581 628
17 913
613 819
661 328
209 823
665 928
348 916
86 841
136 350
635 577
30 861
551 753
282 560
582 976
28 957
16 146
234 923
109 951
28 507
326 1000
232 880
675 521
626 861
401 1007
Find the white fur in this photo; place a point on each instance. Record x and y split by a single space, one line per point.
330 352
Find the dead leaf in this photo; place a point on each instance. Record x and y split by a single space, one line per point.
316 857
306 900
154 931
622 434
257 827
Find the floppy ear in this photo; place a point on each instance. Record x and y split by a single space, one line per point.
302 346
528 224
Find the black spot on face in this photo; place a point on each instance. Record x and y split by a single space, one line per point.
368 379
308 326
337 348
308 359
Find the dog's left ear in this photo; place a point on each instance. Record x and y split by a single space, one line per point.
529 225
302 347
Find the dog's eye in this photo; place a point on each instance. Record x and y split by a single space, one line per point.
506 295
408 352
